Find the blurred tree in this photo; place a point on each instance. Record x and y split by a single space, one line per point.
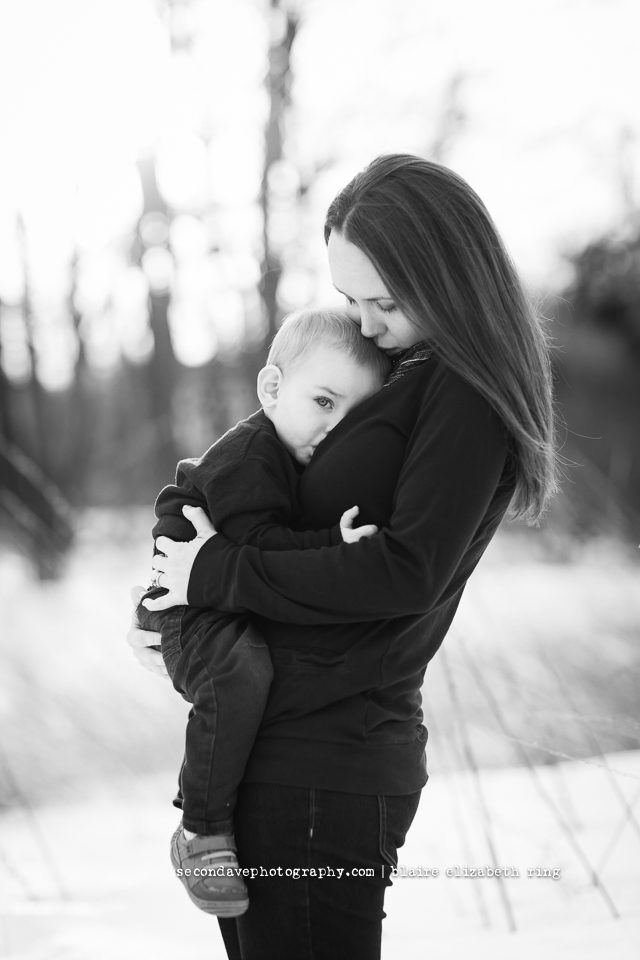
598 365
152 252
178 17
40 434
5 395
284 27
79 403
33 512
605 292
451 121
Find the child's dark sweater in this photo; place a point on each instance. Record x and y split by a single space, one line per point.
351 628
248 484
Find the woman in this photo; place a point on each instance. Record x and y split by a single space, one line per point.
462 430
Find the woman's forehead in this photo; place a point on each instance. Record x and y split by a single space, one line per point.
351 270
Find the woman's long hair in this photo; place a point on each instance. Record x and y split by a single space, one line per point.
434 244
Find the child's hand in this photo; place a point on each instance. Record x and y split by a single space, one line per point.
351 535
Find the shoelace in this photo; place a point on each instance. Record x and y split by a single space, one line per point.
224 858
227 856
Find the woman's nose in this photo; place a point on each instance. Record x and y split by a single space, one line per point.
369 324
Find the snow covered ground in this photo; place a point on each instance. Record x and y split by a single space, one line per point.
88 877
92 880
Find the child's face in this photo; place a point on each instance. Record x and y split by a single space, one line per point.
315 394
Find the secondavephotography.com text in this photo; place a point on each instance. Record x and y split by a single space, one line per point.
456 871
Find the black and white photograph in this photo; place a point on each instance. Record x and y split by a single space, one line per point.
319 479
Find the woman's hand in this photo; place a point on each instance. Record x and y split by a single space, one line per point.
143 641
173 564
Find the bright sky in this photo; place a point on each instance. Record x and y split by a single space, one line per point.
549 119
548 92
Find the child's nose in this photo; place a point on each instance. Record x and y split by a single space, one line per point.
332 421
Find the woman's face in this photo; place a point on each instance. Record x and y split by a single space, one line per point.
370 303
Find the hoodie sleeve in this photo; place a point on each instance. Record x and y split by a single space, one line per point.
452 469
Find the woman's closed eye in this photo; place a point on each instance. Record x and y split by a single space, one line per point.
386 307
355 316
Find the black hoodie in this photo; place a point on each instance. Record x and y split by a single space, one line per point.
352 627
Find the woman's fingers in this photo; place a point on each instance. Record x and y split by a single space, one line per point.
175 568
143 641
165 545
198 517
162 603
137 593
151 660
138 638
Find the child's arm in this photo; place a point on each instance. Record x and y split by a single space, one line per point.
250 503
253 505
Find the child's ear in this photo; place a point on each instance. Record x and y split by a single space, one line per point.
269 380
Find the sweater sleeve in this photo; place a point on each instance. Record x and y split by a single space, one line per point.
453 465
170 520
258 509
248 502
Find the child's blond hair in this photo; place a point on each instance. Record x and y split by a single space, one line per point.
305 329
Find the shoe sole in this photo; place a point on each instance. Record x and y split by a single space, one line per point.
219 908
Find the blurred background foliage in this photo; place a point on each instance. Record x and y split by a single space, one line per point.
136 303
162 192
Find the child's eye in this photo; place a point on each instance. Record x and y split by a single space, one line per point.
324 402
350 300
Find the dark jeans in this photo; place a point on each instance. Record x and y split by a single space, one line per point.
221 665
334 917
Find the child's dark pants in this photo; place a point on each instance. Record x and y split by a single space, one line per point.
221 665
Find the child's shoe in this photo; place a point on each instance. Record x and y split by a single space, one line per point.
208 868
